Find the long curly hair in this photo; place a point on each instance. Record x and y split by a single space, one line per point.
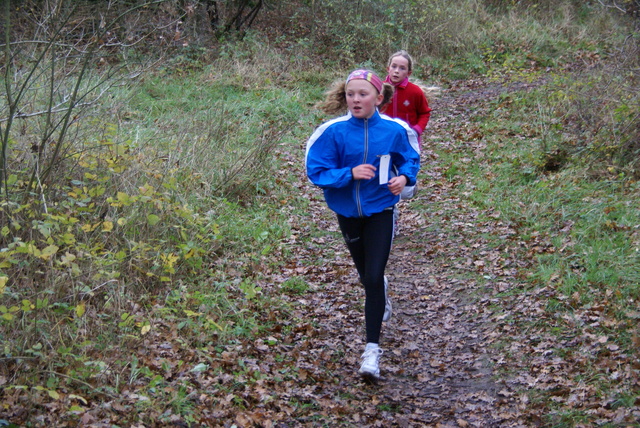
335 101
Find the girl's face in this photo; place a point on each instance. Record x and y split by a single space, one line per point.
362 98
398 69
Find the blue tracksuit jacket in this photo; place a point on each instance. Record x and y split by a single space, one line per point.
346 142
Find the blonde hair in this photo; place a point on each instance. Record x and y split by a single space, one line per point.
431 93
404 54
335 100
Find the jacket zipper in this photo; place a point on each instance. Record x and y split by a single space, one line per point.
395 105
395 109
364 160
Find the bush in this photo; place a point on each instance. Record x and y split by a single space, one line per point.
599 105
110 201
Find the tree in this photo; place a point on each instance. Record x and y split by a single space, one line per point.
226 16
59 58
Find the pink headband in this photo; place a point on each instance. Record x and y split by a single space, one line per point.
367 75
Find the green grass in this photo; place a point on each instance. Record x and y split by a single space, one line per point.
581 233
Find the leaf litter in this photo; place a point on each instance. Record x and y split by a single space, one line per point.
456 353
438 368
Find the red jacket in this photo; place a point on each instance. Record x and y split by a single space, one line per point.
410 105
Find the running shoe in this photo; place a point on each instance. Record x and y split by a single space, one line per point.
370 368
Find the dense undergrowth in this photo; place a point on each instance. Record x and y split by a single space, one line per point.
166 195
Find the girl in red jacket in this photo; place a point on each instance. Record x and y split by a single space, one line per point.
409 102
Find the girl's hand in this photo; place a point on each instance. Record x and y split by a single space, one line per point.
396 184
363 172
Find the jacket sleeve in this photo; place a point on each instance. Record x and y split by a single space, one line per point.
406 155
323 160
424 113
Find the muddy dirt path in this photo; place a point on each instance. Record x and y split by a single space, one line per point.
445 320
439 368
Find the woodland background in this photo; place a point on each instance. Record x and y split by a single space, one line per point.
163 259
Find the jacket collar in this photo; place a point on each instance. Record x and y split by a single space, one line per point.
360 122
402 84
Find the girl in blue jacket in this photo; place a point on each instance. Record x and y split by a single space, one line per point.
362 161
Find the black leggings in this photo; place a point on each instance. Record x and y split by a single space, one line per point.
369 242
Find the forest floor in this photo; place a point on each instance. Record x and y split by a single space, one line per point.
469 344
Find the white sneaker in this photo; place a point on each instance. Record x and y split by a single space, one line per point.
370 369
388 310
